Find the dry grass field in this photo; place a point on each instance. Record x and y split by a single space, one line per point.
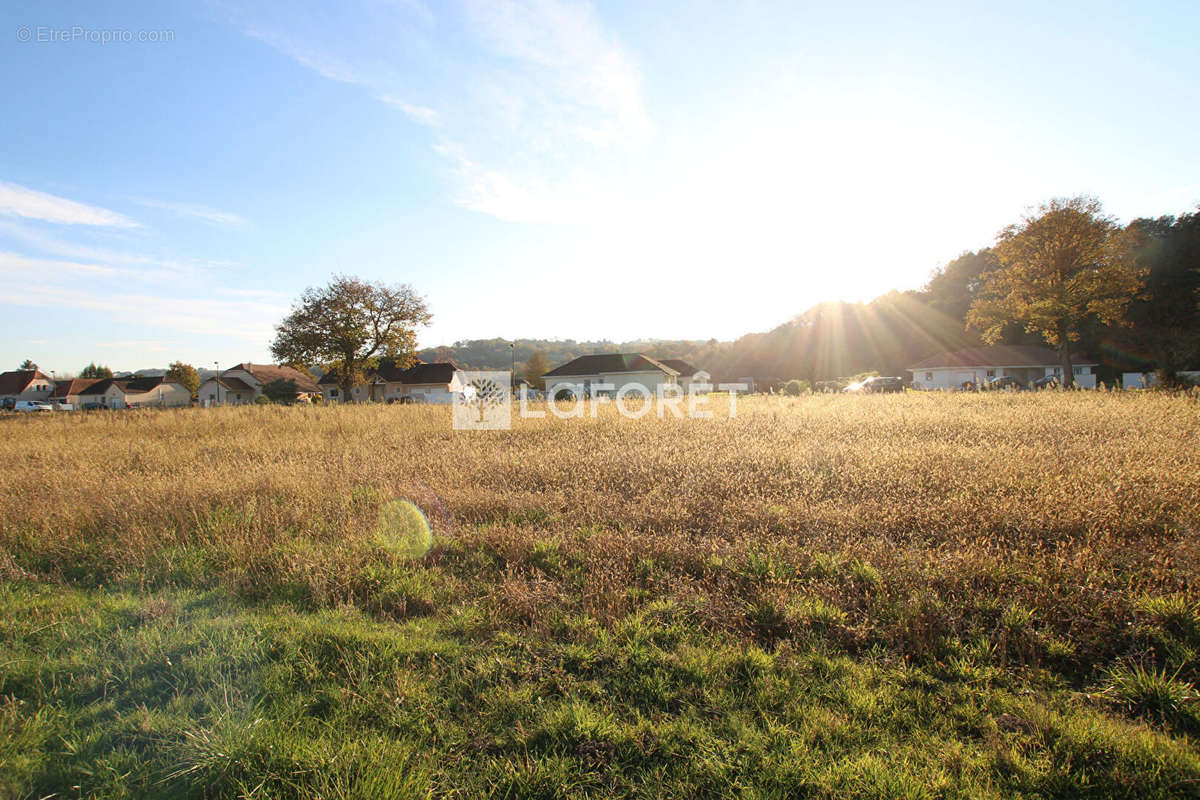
918 595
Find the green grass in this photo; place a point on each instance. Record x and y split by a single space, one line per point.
177 693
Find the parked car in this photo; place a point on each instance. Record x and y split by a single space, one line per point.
33 405
876 385
63 405
1048 382
7 404
1005 382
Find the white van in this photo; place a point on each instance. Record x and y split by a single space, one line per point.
33 405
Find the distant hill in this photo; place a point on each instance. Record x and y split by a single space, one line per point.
828 341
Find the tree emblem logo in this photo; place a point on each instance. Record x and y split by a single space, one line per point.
484 403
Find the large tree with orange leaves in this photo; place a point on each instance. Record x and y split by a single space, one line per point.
1061 266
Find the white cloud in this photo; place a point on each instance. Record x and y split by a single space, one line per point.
569 69
538 107
422 114
247 320
19 266
204 213
149 267
21 201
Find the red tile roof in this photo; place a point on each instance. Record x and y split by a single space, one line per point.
16 381
65 389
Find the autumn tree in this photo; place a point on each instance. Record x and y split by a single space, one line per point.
1060 267
535 368
27 364
348 322
185 375
94 370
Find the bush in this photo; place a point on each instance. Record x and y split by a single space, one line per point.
795 387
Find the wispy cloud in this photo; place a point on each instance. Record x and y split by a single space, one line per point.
536 106
144 266
422 114
200 212
248 320
13 264
21 201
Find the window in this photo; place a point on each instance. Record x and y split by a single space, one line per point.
928 376
991 373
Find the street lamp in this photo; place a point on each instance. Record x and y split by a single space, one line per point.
512 375
217 378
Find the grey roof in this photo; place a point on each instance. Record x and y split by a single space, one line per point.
441 372
233 384
680 366
420 373
608 363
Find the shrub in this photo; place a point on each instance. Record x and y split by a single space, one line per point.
1153 693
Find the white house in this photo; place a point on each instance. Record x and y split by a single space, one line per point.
613 369
979 365
243 383
153 392
388 383
222 391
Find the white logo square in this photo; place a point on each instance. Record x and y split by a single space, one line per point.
485 402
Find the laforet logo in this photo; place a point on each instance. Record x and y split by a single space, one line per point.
484 403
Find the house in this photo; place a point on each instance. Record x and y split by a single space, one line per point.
388 383
24 384
614 369
978 365
69 391
687 373
243 383
222 391
432 383
154 392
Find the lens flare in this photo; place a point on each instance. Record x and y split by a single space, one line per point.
403 531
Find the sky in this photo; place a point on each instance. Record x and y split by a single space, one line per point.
174 175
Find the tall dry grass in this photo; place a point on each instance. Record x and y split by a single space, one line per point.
903 521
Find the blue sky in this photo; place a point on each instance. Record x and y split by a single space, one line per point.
549 168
